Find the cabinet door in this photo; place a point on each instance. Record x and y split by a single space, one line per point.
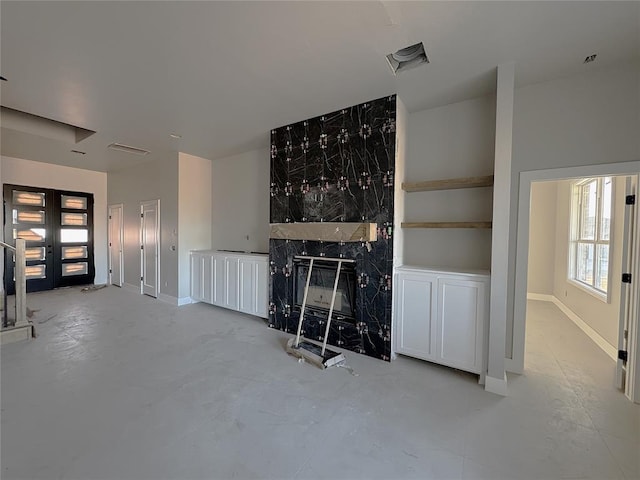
415 314
461 307
231 282
262 288
219 280
207 278
247 300
196 277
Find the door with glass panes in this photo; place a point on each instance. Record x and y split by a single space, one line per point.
58 228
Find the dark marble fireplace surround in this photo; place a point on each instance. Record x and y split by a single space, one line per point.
337 167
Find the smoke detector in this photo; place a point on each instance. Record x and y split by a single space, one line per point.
407 58
127 149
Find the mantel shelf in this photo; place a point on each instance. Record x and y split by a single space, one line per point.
445 224
448 184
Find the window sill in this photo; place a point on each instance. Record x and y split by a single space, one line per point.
603 297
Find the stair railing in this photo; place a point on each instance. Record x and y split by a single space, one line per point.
20 283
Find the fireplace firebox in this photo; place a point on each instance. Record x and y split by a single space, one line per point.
321 289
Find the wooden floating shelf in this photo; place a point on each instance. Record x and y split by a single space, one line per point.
448 184
445 224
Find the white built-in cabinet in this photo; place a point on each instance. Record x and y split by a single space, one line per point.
441 316
231 280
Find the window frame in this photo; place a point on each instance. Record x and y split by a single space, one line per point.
576 216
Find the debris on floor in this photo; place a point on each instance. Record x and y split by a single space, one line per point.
47 319
93 288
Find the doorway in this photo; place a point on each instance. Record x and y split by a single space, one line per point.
150 247
588 294
57 226
116 239
575 255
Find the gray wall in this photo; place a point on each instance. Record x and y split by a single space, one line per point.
240 202
587 119
150 181
542 238
194 214
452 141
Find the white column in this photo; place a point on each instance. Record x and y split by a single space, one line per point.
496 379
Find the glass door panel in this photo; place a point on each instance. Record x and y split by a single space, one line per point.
58 229
28 216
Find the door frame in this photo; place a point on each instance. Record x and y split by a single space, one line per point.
515 364
109 241
155 203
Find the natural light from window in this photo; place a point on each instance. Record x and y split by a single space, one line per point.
591 214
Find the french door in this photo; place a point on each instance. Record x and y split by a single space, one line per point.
58 228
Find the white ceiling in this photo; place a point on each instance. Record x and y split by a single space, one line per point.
222 74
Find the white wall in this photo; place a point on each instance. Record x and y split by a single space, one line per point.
194 214
399 199
586 119
240 202
456 140
542 238
150 181
37 174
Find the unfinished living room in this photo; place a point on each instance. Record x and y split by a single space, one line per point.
368 239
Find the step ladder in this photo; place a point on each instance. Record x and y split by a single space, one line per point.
305 349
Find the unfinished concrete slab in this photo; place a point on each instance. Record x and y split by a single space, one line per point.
122 386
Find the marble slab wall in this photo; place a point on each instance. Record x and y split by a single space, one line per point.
337 167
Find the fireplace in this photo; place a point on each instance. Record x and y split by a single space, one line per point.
333 182
321 289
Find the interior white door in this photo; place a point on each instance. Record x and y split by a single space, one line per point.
626 292
116 261
150 247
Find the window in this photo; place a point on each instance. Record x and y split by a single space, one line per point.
591 233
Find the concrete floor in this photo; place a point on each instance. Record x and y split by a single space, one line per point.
121 386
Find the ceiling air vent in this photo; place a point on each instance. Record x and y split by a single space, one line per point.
408 57
128 149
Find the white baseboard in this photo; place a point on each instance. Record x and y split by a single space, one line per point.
496 385
590 332
186 301
511 366
581 324
540 296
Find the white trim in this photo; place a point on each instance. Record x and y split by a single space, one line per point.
543 297
498 304
496 385
186 301
511 366
584 326
522 240
155 203
109 242
588 289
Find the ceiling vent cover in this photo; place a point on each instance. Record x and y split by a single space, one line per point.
128 149
407 58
